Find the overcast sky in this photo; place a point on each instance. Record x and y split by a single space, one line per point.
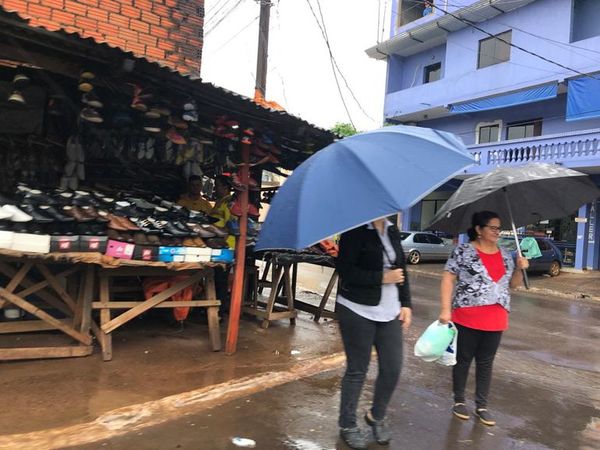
300 77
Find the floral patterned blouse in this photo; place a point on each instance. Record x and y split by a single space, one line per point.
474 287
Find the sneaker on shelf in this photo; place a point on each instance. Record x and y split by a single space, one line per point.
91 115
20 80
139 105
17 97
177 122
152 126
190 116
91 99
175 137
461 411
152 113
485 417
190 105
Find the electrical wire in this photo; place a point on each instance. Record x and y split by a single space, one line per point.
240 31
332 65
223 18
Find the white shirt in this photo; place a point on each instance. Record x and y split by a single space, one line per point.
389 306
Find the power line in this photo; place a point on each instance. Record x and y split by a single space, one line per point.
240 31
224 17
332 65
324 31
213 16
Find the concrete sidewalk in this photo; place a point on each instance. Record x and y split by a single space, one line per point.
569 284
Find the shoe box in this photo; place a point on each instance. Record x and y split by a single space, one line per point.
27 242
93 244
172 254
197 254
6 239
64 244
224 255
146 253
118 249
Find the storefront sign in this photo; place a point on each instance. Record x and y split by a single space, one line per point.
592 224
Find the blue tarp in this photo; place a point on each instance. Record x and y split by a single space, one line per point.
583 99
537 94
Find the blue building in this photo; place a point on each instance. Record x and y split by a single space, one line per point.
470 67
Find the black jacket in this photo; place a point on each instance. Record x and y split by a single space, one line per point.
360 265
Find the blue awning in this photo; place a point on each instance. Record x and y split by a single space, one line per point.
583 99
536 94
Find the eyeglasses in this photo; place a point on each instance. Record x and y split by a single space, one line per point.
495 229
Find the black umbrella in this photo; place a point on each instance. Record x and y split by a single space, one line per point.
520 195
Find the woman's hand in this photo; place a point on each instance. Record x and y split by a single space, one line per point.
522 262
445 316
405 317
393 276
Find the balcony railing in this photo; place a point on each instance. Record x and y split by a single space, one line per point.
575 149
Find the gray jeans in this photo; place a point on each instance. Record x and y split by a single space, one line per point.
359 335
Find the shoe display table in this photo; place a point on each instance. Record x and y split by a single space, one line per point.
283 267
65 286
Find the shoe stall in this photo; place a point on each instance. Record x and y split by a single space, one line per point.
96 148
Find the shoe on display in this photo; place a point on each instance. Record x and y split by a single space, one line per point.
152 113
152 126
17 97
92 99
178 122
5 214
91 115
190 116
190 105
55 214
37 215
85 85
139 105
175 137
20 80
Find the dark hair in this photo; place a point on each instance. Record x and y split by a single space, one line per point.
480 219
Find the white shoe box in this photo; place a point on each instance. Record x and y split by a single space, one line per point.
6 239
197 254
35 243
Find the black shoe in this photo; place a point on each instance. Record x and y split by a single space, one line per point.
38 216
354 438
485 417
52 212
460 410
37 197
380 430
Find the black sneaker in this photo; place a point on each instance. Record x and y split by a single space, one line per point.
381 432
485 417
354 438
460 410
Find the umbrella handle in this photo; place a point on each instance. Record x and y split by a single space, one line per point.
525 279
514 230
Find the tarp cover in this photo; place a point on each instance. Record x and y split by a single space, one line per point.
583 98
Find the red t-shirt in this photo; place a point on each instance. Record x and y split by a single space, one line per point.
488 317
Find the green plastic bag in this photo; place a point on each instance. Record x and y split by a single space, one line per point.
530 248
434 341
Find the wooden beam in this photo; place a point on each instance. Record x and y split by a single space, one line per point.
55 284
40 314
8 354
33 288
152 302
212 312
169 304
86 305
330 285
26 326
16 280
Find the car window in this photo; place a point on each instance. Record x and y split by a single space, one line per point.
507 244
404 235
543 245
434 239
420 238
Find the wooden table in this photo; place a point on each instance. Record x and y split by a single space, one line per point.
283 269
67 283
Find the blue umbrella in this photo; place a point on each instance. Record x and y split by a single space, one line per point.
359 179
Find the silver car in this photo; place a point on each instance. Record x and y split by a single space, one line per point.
423 246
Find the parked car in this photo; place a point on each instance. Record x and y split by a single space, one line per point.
551 260
424 246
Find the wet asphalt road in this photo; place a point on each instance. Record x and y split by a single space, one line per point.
545 394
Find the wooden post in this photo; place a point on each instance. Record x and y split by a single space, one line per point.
240 258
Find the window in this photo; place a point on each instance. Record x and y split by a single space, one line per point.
494 50
522 130
488 133
585 17
542 245
404 235
420 238
432 73
434 239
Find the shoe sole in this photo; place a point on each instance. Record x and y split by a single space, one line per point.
489 423
461 416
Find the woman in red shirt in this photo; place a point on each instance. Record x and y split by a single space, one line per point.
475 296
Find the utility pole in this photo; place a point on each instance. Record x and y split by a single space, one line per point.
263 50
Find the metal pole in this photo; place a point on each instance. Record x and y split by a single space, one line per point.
260 87
514 229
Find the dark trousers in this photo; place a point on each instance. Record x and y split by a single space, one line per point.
481 345
359 335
